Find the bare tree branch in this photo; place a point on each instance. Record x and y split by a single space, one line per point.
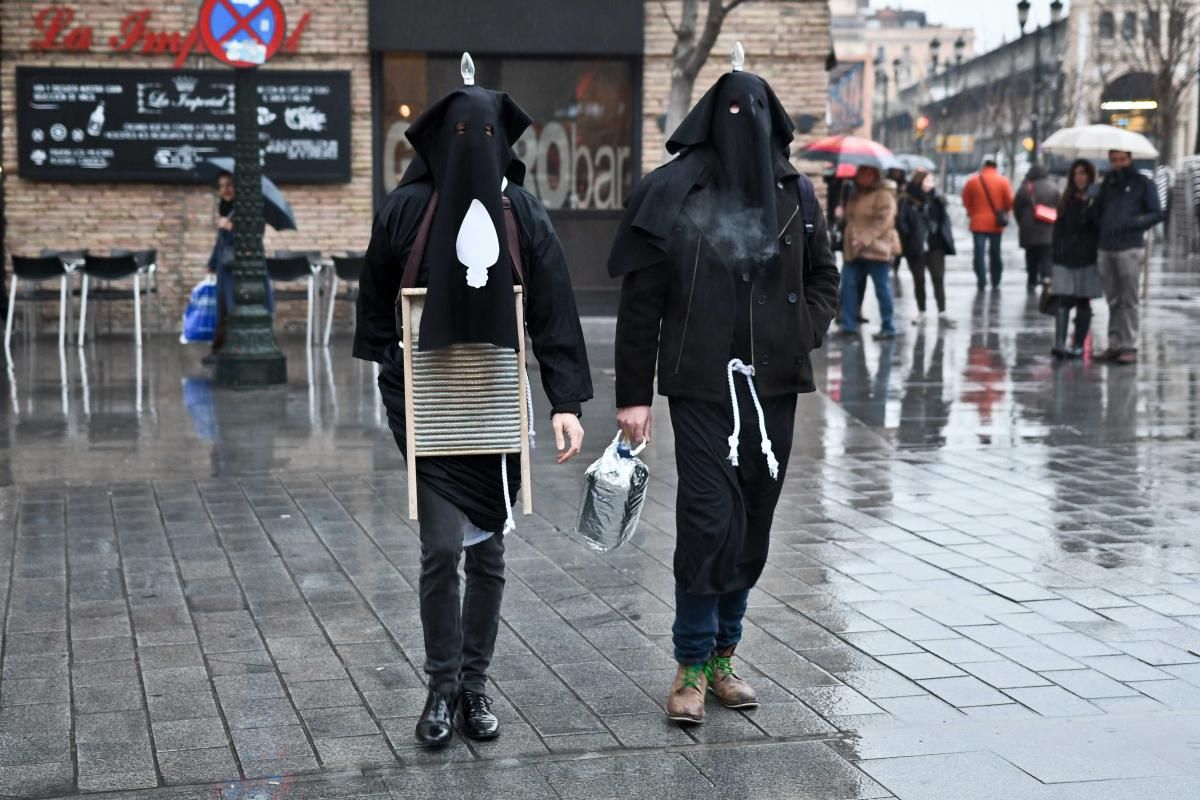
667 16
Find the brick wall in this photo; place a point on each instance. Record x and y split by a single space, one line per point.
179 220
786 42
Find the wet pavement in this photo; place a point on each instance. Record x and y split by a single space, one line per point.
982 584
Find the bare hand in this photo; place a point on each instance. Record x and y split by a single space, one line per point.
567 431
225 224
635 423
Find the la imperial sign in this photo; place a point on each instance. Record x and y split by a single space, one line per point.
58 31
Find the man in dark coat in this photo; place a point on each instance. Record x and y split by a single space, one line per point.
726 291
1128 207
465 173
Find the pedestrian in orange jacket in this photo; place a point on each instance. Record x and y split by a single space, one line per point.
988 199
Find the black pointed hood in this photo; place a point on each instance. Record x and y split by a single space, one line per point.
742 132
464 143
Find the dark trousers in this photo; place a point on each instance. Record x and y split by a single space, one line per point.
707 622
933 262
991 243
459 636
1038 263
1083 315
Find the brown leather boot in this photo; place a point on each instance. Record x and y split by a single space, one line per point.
686 701
724 682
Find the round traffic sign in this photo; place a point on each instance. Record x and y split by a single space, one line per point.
242 33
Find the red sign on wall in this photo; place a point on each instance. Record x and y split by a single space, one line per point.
57 31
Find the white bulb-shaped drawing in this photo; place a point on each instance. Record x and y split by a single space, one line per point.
477 245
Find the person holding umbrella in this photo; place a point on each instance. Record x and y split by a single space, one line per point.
1128 208
1076 280
870 245
276 212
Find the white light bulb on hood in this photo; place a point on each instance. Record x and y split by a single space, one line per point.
466 68
738 56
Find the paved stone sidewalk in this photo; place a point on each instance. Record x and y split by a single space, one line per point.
983 584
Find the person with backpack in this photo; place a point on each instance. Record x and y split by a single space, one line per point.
988 199
461 226
727 283
1035 209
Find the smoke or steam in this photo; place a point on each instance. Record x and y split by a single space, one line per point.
737 233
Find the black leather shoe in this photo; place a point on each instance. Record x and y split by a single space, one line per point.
436 725
478 721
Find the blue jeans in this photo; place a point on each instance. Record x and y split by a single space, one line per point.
990 241
707 622
854 276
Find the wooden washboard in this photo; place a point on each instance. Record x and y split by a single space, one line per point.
464 400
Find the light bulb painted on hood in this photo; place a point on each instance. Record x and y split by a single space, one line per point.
738 56
466 68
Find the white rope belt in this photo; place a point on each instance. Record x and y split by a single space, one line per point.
738 366
510 524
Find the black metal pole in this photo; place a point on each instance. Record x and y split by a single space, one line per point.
250 357
1037 87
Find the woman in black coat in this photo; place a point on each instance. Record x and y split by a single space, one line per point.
926 238
1076 279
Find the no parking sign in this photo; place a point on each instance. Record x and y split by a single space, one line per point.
242 33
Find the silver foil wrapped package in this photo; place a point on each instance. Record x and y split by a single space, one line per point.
614 492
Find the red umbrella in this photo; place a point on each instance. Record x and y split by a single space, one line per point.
849 150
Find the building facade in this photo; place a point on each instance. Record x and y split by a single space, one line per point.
336 101
880 51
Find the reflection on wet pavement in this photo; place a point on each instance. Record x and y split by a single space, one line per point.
982 584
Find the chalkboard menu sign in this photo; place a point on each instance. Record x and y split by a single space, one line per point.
128 125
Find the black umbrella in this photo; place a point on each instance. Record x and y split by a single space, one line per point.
277 212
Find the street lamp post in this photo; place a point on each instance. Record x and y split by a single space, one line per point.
881 77
1056 9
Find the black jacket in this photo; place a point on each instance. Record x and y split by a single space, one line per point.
680 312
1128 208
912 223
1037 190
1077 232
941 235
550 314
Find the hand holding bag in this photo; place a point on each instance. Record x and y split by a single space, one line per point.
614 493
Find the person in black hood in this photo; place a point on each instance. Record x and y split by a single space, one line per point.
450 209
728 282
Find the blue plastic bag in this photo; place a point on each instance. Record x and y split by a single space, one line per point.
200 316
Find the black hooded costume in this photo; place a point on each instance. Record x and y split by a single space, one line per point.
464 143
717 264
466 165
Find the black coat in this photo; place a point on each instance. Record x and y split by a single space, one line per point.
551 317
1128 208
912 223
679 305
1077 232
941 235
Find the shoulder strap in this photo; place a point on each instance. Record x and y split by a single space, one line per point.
808 205
514 241
986 193
412 266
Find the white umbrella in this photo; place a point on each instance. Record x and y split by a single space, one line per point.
1094 141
